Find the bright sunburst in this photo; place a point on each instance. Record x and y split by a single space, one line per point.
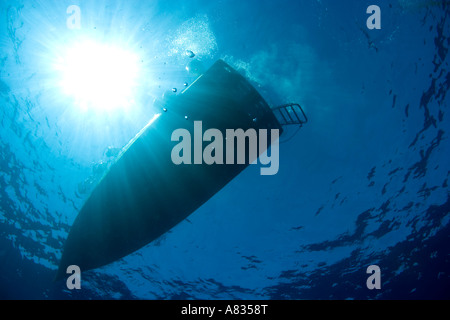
99 76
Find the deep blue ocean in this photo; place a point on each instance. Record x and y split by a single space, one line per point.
364 182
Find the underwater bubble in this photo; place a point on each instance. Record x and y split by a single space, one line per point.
194 35
186 117
186 84
190 54
164 109
174 90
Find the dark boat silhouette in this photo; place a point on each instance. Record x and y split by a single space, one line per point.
144 194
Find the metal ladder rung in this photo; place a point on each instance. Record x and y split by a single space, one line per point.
287 112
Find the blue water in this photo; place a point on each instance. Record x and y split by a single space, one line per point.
365 182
